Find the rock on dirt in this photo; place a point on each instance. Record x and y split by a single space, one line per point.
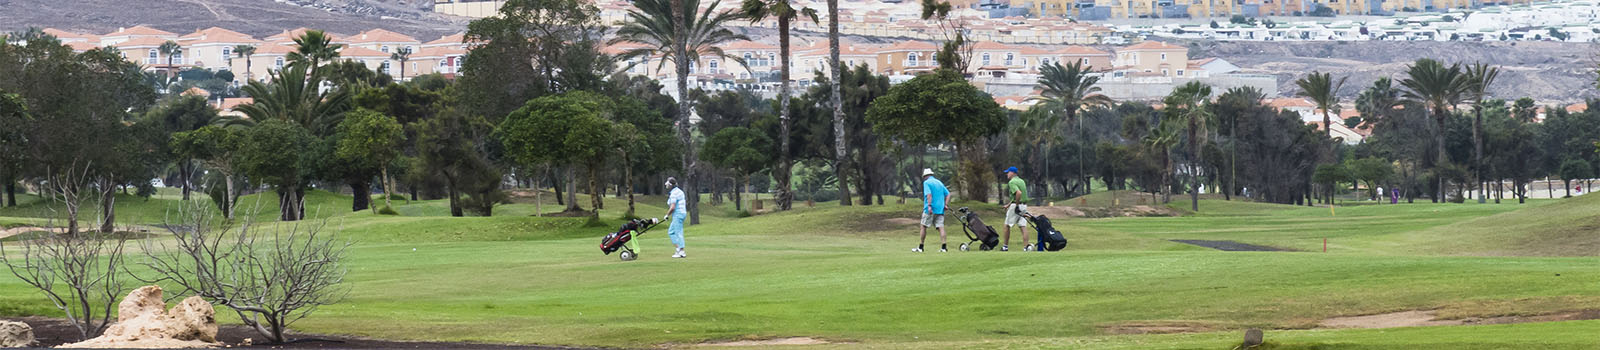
141 323
15 334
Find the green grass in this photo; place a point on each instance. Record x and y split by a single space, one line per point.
844 274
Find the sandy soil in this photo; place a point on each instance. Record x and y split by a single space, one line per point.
771 342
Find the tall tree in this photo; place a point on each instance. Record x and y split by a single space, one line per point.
942 107
1482 76
532 48
680 33
1188 105
785 12
245 51
1160 140
314 47
373 139
1071 89
565 129
14 120
743 150
1230 107
1324 92
171 49
403 55
186 113
297 97
841 159
1437 88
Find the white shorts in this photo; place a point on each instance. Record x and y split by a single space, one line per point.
1014 216
932 220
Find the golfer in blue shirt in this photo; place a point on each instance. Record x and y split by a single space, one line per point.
935 197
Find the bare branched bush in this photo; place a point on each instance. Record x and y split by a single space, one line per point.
271 275
78 271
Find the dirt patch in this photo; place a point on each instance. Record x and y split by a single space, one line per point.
50 332
1230 246
25 229
1157 328
772 342
1430 318
1056 212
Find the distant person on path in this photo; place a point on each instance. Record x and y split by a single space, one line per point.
1017 197
935 197
676 212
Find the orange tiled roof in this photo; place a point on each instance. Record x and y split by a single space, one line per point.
990 45
141 31
1290 102
81 46
439 51
453 39
141 42
1153 46
194 91
351 52
381 36
748 45
217 35
911 45
1577 107
229 103
64 35
1076 50
288 36
273 49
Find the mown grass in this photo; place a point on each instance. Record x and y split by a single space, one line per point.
845 274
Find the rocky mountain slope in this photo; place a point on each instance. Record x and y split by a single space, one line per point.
255 17
1550 72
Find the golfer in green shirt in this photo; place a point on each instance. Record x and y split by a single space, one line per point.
1017 196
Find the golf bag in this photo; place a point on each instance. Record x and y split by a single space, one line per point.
621 239
1049 238
976 231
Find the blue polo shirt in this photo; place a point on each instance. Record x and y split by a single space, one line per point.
935 194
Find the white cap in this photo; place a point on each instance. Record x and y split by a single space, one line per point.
927 172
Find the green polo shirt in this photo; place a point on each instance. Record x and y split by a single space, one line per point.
1016 185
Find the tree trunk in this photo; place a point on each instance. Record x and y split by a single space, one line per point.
572 190
11 192
1477 151
627 179
783 173
388 188
689 182
839 145
230 200
108 207
183 175
455 200
1194 174
555 183
594 189
361 199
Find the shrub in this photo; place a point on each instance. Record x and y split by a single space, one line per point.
386 210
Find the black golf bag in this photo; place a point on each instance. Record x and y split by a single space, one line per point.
1049 238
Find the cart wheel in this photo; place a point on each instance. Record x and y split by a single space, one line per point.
627 255
965 246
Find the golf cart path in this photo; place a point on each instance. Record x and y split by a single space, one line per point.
7 233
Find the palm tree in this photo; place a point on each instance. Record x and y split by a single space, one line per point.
1378 101
1438 89
784 11
296 96
1036 127
1324 92
1161 139
171 49
245 51
679 32
1189 106
1072 89
403 55
1240 99
1481 75
843 160
314 47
